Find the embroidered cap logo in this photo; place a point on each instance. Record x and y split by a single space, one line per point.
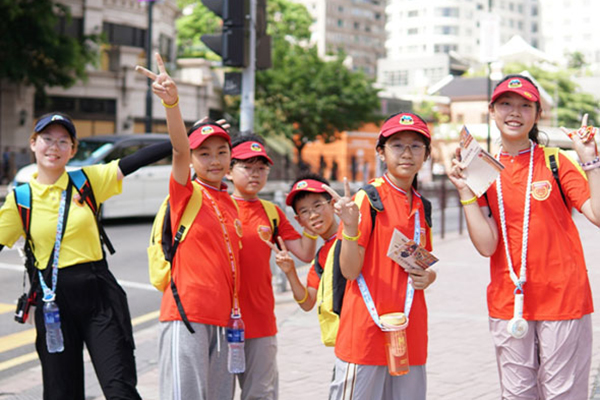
255 147
301 185
406 120
207 130
515 83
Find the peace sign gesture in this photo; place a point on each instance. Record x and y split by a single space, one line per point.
583 140
163 86
345 207
282 257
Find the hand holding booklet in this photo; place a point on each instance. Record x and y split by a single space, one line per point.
408 254
481 168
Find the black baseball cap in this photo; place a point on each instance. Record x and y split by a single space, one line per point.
56 119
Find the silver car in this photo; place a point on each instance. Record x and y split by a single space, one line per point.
143 191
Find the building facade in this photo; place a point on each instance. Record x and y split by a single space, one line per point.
355 27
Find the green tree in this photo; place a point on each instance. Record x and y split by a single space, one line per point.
35 52
302 96
576 60
572 103
195 22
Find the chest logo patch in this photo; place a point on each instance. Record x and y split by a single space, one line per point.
541 190
238 227
264 232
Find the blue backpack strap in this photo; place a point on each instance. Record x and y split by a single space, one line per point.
23 201
81 182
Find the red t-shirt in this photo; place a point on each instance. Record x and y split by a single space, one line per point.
312 279
557 286
256 290
202 268
359 340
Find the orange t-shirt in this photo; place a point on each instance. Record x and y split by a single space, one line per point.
312 278
256 289
359 340
202 268
557 286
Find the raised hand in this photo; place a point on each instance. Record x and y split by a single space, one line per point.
163 86
583 140
345 207
282 257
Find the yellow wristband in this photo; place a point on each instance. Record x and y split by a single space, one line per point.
170 105
305 296
350 238
308 235
470 201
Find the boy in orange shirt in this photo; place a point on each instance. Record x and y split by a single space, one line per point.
250 167
314 211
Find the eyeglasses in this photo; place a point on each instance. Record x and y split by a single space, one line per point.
306 212
248 170
399 148
63 144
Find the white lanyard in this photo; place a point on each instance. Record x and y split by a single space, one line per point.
517 326
50 293
236 308
410 290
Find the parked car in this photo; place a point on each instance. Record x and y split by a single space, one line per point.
143 191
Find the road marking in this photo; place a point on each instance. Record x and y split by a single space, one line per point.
4 308
19 339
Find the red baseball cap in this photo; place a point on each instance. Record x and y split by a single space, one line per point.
246 150
305 185
517 85
205 131
404 122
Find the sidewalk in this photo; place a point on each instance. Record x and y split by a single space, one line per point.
461 364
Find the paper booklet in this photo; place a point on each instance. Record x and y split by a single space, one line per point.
481 168
408 254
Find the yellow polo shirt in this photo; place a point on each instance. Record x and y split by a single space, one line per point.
81 241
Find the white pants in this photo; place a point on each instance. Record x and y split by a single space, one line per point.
373 382
551 362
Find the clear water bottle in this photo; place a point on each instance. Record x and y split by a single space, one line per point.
236 358
54 336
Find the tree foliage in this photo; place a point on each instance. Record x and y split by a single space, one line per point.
34 51
572 103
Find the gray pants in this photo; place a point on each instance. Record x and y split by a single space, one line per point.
193 366
261 379
373 382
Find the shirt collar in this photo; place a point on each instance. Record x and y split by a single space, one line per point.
61 183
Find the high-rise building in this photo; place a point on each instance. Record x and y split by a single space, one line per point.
356 27
571 26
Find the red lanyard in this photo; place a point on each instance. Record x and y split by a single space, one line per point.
236 308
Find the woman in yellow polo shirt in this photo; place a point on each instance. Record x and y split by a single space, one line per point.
72 270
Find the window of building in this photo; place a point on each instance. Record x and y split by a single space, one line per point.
534 10
534 43
396 78
534 27
356 25
444 48
72 28
520 25
511 6
165 47
413 13
341 9
412 31
340 23
446 12
446 30
520 8
124 35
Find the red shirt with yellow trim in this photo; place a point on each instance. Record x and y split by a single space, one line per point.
202 268
359 340
81 240
256 290
557 286
312 279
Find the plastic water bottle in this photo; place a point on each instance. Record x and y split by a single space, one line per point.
236 359
54 336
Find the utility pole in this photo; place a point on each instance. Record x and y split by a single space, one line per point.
248 77
148 119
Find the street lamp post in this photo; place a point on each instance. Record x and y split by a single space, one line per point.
148 119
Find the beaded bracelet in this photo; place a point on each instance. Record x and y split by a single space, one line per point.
170 105
469 201
595 163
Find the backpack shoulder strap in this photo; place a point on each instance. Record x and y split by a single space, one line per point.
427 208
189 214
23 201
273 215
551 158
374 201
317 265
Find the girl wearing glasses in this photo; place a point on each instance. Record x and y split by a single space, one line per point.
361 370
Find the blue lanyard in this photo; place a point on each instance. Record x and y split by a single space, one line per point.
49 294
410 290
